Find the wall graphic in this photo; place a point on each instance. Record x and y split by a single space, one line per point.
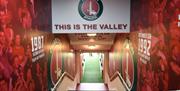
59 61
155 35
128 65
55 68
18 70
123 59
23 44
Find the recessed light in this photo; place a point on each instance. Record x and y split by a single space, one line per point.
92 46
91 34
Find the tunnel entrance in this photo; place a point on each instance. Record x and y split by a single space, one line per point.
92 67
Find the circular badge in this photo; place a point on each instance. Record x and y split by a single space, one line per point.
54 64
129 66
90 10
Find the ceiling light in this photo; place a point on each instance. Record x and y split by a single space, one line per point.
91 34
92 46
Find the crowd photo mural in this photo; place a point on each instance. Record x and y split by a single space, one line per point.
24 26
155 34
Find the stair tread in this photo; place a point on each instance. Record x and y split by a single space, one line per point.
92 86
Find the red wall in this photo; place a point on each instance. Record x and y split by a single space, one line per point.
159 18
22 22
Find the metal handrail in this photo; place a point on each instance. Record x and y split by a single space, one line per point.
60 79
119 75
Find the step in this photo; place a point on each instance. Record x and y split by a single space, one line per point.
92 87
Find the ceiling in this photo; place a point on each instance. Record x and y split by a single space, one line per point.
99 42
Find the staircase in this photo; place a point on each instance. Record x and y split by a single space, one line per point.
92 87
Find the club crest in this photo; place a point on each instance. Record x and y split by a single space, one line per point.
128 66
90 10
54 64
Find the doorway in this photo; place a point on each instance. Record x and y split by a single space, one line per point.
92 67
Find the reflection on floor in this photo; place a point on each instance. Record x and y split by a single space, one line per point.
92 87
92 72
